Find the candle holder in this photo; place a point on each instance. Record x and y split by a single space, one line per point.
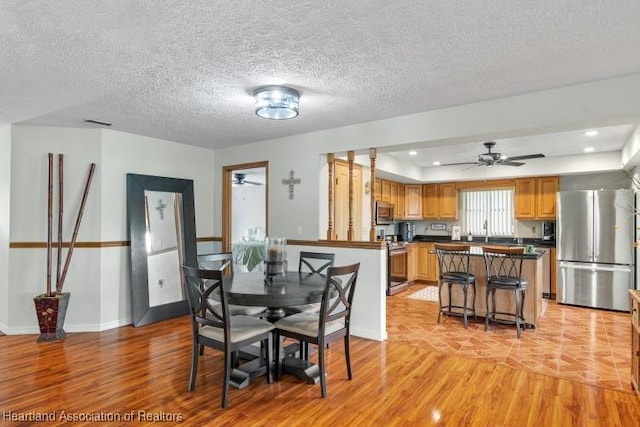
275 263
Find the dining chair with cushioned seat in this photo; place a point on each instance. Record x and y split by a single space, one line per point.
223 261
504 272
219 329
331 323
453 263
312 263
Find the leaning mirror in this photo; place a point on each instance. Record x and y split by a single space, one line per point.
162 233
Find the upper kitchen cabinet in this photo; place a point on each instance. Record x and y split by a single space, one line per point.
430 201
413 201
378 189
448 201
440 201
535 198
546 197
400 204
385 194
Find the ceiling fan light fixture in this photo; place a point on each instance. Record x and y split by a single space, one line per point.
277 102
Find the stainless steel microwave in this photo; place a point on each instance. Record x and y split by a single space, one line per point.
384 213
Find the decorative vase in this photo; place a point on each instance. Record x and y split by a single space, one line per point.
275 257
51 312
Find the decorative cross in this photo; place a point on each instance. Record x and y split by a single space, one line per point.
291 182
160 208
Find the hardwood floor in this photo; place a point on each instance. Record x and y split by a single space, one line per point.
143 373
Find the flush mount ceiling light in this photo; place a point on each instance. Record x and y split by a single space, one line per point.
277 102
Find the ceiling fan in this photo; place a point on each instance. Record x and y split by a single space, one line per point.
239 179
491 158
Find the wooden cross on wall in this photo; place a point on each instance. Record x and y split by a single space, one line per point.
291 182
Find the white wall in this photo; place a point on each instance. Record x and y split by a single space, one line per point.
5 184
248 210
98 279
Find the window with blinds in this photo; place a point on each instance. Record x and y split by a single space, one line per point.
488 211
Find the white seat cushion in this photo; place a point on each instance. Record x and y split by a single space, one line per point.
239 310
242 328
306 323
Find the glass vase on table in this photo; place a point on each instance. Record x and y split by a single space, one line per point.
275 263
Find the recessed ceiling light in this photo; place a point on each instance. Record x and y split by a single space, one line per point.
588 150
436 163
591 133
413 153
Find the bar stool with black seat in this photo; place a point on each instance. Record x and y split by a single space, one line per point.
504 272
453 261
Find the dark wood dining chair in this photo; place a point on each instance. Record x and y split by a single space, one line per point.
223 261
312 263
219 329
331 323
453 263
504 273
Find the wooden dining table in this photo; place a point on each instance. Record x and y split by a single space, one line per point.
277 293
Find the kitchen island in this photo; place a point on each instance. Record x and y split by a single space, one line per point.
535 270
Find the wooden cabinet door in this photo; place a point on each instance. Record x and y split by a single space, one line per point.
432 275
423 262
378 190
525 198
413 201
386 191
393 194
447 201
400 205
552 271
429 201
546 197
412 262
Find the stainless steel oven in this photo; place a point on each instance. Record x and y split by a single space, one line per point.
397 267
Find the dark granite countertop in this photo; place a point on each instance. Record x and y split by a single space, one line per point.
511 241
476 250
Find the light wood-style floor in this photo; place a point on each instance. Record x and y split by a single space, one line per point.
142 373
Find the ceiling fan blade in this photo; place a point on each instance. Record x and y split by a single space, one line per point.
509 163
530 156
463 163
253 182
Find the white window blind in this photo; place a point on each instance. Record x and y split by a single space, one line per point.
488 211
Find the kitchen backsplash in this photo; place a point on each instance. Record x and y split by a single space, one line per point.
525 229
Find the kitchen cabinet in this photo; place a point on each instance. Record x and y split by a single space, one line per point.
547 188
430 201
525 198
400 205
439 201
385 195
413 201
427 268
412 262
447 201
393 196
553 265
535 198
635 340
378 189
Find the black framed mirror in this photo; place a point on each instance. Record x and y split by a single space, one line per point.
162 232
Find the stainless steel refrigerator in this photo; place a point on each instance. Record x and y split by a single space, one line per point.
595 248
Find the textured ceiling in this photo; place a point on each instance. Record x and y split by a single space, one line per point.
185 70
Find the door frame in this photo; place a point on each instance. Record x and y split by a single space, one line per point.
227 180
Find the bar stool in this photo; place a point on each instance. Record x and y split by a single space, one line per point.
453 260
504 272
